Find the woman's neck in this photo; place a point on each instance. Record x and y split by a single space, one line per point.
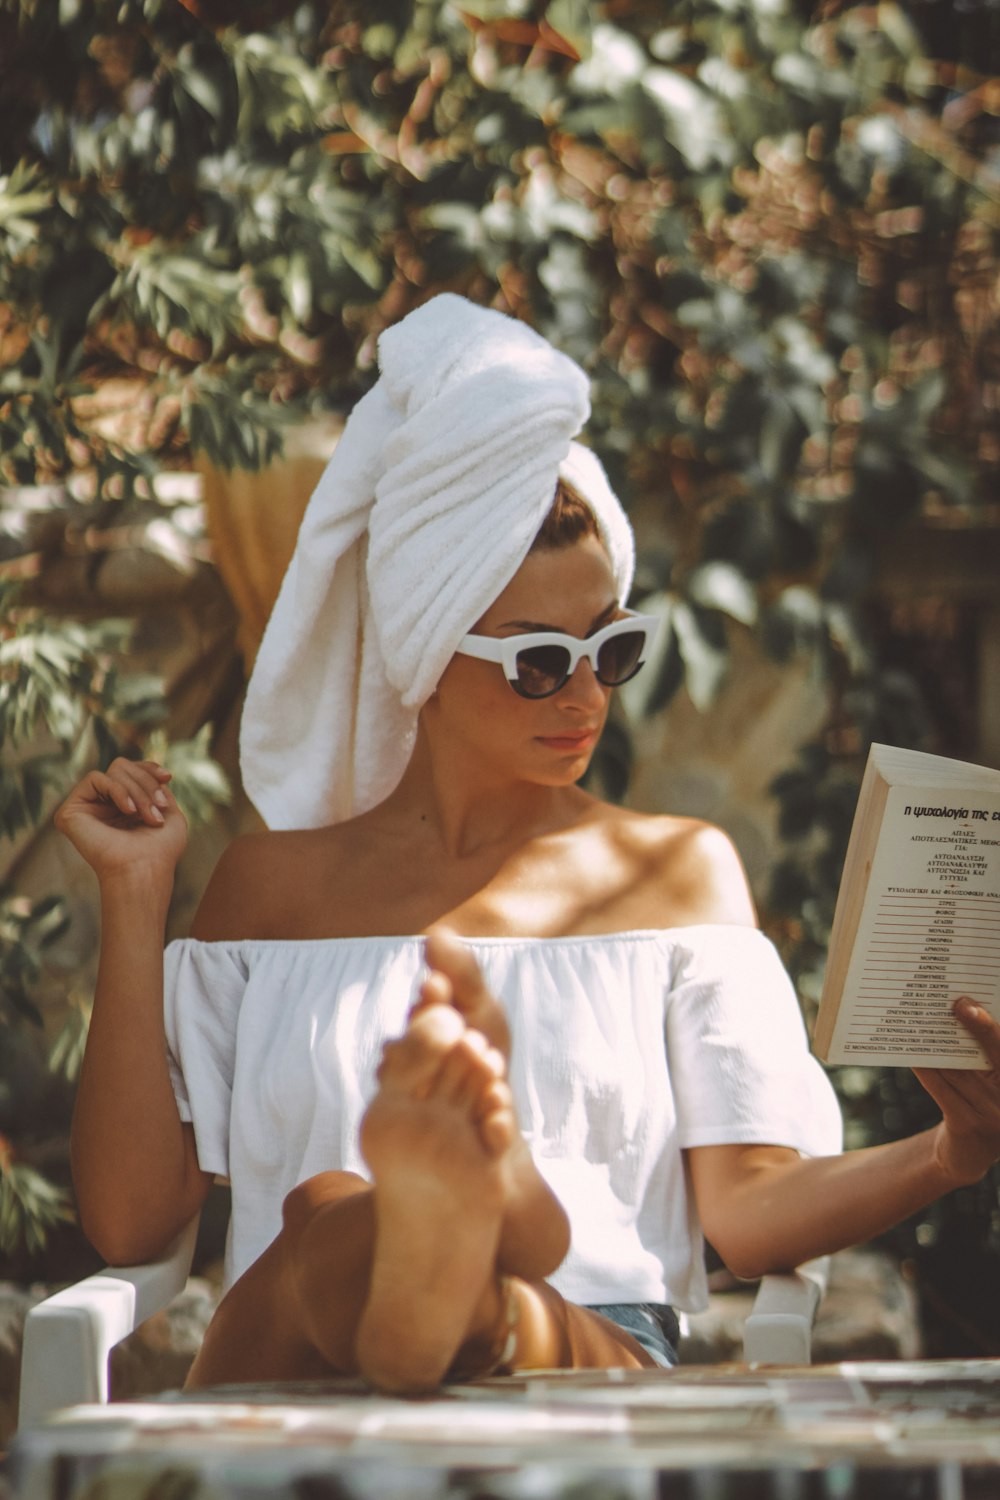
467 813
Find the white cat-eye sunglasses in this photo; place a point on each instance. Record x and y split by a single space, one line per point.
538 664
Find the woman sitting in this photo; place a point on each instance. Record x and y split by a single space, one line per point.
483 1055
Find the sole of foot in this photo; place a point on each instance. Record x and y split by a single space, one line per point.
435 1137
536 1234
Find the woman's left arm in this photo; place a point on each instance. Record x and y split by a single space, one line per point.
766 1209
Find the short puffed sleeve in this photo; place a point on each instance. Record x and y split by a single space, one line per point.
203 989
737 1048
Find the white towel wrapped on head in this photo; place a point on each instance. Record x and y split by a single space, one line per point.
429 505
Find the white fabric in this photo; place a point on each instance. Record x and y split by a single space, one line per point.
627 1048
427 508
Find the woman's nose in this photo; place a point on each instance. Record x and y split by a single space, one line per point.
583 686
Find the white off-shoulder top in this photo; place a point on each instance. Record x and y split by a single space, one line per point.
627 1048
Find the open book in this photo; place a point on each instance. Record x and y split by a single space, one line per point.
917 922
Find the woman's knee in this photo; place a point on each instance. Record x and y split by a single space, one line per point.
316 1193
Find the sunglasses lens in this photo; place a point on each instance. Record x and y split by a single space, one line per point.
541 670
619 657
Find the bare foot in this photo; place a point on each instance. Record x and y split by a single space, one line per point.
455 979
535 1235
435 1137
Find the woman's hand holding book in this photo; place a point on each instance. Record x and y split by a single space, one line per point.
969 1100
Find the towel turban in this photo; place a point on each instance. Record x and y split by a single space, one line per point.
437 487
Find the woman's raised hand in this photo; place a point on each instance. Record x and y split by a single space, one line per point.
125 818
969 1100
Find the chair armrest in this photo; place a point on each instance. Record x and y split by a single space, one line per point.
69 1337
779 1328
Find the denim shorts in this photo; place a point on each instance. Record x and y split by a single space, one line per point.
654 1325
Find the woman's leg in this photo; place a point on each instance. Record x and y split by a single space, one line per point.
419 1272
271 1326
261 1329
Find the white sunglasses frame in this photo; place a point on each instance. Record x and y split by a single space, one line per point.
505 649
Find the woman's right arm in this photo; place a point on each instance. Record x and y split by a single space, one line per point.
135 1167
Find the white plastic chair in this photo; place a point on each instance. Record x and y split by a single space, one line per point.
69 1337
778 1330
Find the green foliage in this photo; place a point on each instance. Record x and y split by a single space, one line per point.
29 1206
30 1203
690 201
26 929
199 783
66 1053
62 688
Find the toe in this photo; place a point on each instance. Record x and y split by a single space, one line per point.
436 989
467 1070
435 1029
496 1122
413 1061
447 955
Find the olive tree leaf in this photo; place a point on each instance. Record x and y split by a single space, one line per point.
703 650
721 585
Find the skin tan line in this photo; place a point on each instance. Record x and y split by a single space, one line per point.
436 1265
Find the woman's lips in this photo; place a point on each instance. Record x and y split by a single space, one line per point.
581 740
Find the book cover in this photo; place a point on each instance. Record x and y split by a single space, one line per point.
917 922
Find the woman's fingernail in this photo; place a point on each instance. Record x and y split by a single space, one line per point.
160 798
130 805
156 815
970 1009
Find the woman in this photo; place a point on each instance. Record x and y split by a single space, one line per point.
523 1179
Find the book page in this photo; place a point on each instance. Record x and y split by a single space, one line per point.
929 932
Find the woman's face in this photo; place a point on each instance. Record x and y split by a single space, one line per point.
547 740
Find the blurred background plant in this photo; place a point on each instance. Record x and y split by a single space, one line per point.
65 705
767 229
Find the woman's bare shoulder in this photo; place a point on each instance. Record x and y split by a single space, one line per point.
257 878
685 869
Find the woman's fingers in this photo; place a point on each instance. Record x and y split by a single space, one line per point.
111 818
135 790
144 788
945 1088
115 792
980 1024
969 1099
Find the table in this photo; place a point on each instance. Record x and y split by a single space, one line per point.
926 1430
